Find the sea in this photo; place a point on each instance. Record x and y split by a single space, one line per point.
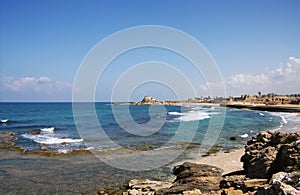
117 131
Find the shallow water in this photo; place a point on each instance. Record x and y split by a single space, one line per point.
154 130
32 174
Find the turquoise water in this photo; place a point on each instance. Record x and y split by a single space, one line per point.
136 128
59 132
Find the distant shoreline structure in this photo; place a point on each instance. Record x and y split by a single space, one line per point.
269 102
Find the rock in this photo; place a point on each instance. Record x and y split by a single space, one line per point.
271 152
20 149
233 181
8 136
6 144
8 133
232 191
192 176
148 185
134 192
251 183
232 138
192 192
35 132
43 148
287 159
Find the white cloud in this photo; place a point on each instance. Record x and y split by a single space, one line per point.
281 80
42 84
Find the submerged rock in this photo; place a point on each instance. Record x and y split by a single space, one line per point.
6 144
35 132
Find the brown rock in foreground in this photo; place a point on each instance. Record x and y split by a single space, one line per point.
271 163
271 152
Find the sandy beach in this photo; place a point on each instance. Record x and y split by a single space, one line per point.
227 161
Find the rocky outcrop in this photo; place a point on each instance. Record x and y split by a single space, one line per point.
271 167
271 152
191 179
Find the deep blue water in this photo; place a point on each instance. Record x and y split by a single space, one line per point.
59 131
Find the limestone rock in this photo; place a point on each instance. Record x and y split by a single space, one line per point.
192 176
271 152
148 185
192 192
232 191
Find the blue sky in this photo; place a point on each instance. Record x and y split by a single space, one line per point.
256 44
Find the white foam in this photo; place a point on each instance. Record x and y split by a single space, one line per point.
50 139
64 151
261 114
289 121
175 113
193 116
4 121
244 135
50 129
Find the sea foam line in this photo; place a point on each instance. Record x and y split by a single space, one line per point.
49 139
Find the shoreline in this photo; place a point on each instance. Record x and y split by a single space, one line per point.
228 161
262 107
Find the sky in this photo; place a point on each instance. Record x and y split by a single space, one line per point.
255 44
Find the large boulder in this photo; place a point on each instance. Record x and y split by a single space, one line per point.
271 152
194 178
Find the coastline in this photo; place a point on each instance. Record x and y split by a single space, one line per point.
262 107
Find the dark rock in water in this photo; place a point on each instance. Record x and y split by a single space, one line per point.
233 138
271 152
35 132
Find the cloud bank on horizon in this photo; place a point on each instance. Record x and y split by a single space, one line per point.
282 80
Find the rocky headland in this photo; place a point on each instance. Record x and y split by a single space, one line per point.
271 166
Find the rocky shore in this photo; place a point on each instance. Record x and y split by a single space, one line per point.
271 166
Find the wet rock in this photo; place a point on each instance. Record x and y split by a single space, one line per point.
35 132
233 138
8 136
8 133
20 149
43 148
6 144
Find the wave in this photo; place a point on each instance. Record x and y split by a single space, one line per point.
289 121
50 139
175 113
4 120
244 135
192 116
50 129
